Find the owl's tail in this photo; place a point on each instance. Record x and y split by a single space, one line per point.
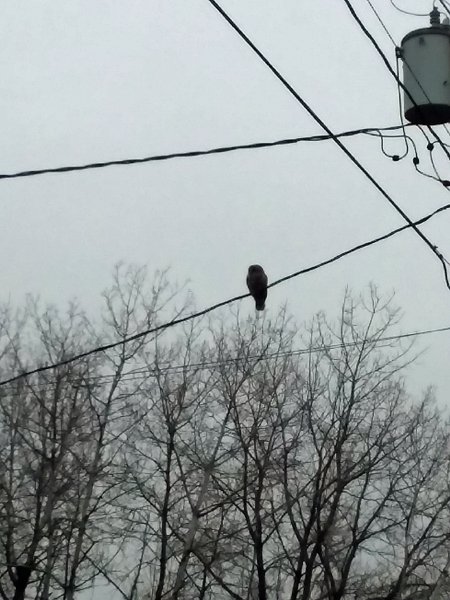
260 304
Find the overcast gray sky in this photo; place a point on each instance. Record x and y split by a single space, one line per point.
89 81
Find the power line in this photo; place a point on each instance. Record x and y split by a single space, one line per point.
380 20
205 311
416 161
400 85
407 12
194 153
297 352
342 146
445 6
145 372
391 70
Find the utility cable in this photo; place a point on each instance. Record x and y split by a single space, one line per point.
430 145
408 140
445 6
391 70
342 146
194 153
205 311
407 12
145 372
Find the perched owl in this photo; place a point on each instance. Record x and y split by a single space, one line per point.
257 284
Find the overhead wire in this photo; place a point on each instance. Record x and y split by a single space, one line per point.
416 161
408 140
430 145
193 153
299 351
145 333
396 76
341 145
436 176
388 33
395 157
391 70
445 6
380 20
407 12
256 145
143 372
331 135
400 108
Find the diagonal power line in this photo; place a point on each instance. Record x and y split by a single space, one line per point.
194 153
384 58
333 136
210 309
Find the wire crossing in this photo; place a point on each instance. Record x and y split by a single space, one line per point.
342 146
196 315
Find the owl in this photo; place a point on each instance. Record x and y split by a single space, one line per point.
257 285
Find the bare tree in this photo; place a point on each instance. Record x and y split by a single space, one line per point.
324 452
219 461
61 435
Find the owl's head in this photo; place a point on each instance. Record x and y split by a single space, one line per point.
255 269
